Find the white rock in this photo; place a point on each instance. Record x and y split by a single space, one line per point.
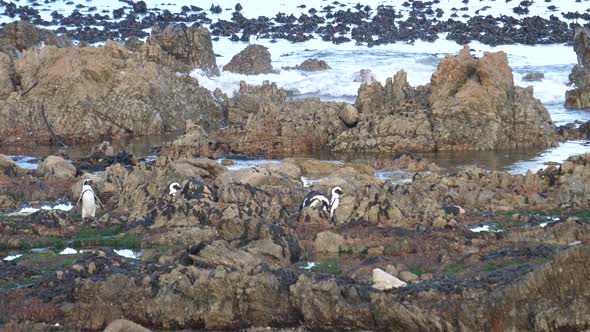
385 281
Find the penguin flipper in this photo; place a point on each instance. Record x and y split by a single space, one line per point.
78 203
98 200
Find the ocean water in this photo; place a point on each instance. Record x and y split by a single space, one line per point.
419 59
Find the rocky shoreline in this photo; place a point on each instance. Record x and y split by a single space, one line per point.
441 249
335 22
233 251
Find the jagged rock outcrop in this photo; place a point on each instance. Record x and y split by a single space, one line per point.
579 97
191 46
196 142
311 65
261 120
253 60
90 94
21 35
470 104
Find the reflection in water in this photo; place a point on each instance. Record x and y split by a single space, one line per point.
557 154
138 146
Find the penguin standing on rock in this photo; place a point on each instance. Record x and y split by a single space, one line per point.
89 200
315 199
335 200
174 189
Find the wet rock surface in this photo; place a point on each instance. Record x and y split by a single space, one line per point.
81 94
450 114
253 60
234 249
311 65
579 77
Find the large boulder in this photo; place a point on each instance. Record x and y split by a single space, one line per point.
470 104
21 35
124 325
96 93
7 166
253 60
579 97
55 166
311 65
191 46
475 105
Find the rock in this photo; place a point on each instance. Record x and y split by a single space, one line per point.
54 166
7 203
253 60
391 269
103 149
196 142
123 325
227 162
262 121
21 35
533 77
95 82
364 76
311 65
133 43
349 115
7 166
313 167
191 46
408 276
470 104
579 97
401 267
327 242
197 167
427 276
7 72
385 281
582 46
283 174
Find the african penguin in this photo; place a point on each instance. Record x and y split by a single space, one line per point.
313 198
335 200
173 188
89 200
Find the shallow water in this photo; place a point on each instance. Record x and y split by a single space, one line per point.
67 206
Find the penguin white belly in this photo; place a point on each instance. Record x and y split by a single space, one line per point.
88 205
334 206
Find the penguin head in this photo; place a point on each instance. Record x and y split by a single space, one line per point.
337 191
87 182
173 188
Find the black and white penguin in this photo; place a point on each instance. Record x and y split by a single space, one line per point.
335 200
89 200
174 189
316 198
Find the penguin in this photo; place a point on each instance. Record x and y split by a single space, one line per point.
89 200
173 188
313 198
335 200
